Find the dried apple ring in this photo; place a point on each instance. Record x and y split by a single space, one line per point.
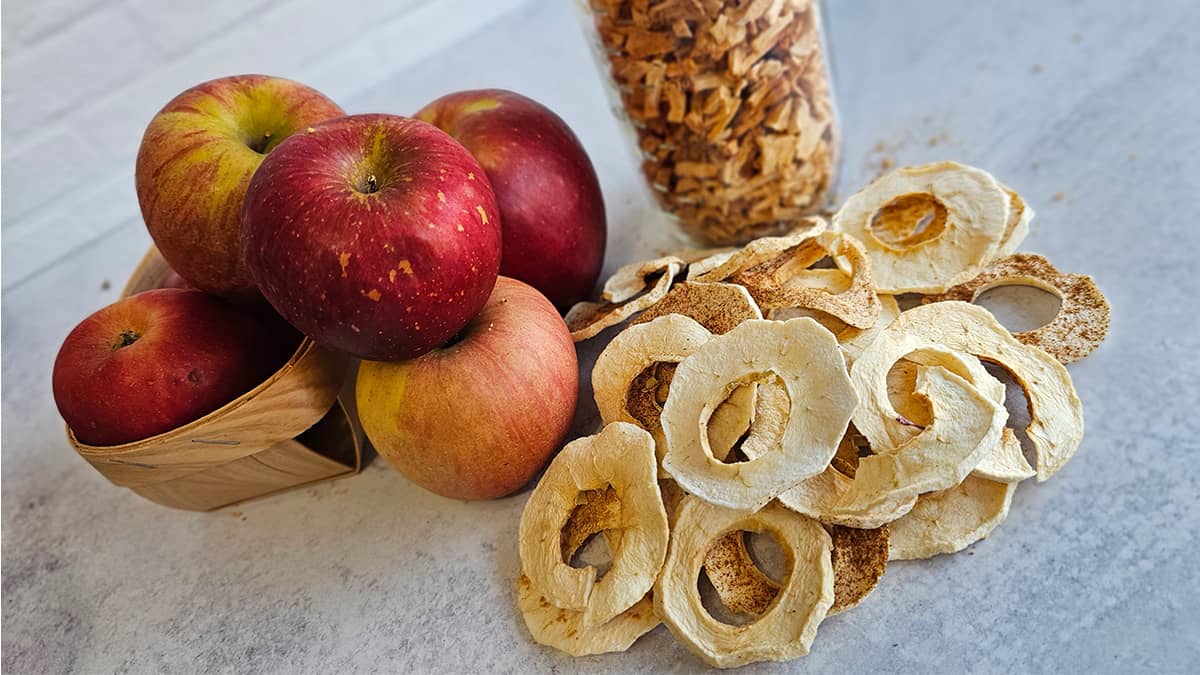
1019 217
718 307
1056 415
859 560
624 394
586 319
621 456
970 213
564 629
721 266
846 293
806 357
786 629
636 277
951 520
966 426
1082 320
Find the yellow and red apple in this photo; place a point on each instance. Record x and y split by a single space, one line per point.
551 209
477 418
376 235
196 160
157 360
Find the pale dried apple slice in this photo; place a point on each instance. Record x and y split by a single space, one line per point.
721 266
855 340
966 426
786 629
969 213
806 357
1056 415
1019 216
950 520
564 629
846 293
621 456
1082 320
637 277
586 319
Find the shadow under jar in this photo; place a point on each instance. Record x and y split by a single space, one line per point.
731 105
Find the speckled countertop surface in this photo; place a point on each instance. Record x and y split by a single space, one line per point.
1088 109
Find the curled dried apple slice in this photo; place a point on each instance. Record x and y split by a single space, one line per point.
927 228
620 456
966 426
1056 415
636 278
806 358
586 319
1019 216
564 629
950 520
1082 320
721 266
787 626
846 293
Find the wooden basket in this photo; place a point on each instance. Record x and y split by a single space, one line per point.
288 431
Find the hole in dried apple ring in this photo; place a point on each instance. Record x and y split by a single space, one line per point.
741 576
909 221
1020 307
648 392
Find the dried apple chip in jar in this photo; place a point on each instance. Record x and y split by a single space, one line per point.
586 319
807 359
1056 414
928 227
950 520
620 456
786 628
1082 320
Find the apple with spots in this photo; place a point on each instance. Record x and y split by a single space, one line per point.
376 235
551 209
157 360
477 418
195 163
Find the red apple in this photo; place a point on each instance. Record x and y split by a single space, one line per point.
480 417
158 360
551 209
374 234
195 162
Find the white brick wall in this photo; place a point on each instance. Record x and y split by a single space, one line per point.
82 78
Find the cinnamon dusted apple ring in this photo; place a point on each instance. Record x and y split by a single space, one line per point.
586 319
806 358
721 266
786 627
1082 321
787 282
929 227
620 456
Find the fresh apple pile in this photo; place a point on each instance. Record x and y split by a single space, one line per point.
377 235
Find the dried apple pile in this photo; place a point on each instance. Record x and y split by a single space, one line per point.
778 388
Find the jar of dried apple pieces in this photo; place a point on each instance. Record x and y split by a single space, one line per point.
731 106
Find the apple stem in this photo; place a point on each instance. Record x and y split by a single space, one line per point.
372 184
126 338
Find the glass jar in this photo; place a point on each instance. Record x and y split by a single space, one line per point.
731 106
